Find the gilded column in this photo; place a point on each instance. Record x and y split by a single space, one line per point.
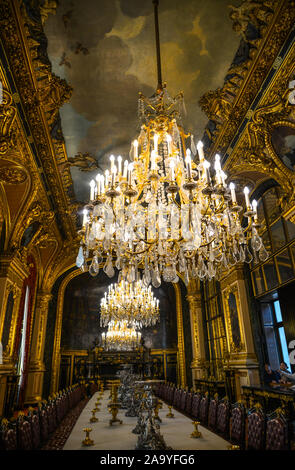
180 336
242 357
197 331
36 366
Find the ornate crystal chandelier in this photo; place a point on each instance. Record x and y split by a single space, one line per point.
165 212
120 337
133 303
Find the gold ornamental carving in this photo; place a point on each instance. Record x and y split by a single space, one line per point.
7 118
12 175
274 20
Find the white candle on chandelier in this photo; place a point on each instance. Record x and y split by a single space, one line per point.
172 166
207 166
107 174
169 140
254 206
233 193
223 177
153 160
246 192
135 146
98 184
156 138
102 184
217 167
84 217
200 151
114 171
112 158
188 162
125 169
119 165
92 186
130 168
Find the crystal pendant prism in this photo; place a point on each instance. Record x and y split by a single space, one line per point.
108 267
80 258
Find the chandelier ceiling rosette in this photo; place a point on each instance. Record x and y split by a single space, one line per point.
121 337
133 303
166 212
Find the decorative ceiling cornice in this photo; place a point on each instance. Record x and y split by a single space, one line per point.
37 102
227 107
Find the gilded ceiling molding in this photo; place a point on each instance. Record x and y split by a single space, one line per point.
13 33
12 175
7 118
231 102
255 144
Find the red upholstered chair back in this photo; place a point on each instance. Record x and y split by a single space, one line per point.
196 405
9 438
44 428
276 434
171 394
24 434
51 417
188 405
176 398
203 414
222 420
238 417
255 430
36 431
182 401
212 413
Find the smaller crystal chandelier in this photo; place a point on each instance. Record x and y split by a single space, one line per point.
121 338
133 303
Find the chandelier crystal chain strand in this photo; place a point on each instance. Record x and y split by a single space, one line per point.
164 212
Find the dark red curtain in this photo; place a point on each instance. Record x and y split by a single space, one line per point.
31 283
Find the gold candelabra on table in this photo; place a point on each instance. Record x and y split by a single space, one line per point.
170 414
114 405
93 419
196 433
87 441
233 447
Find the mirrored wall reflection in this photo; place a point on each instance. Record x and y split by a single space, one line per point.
80 325
270 273
277 234
285 267
258 281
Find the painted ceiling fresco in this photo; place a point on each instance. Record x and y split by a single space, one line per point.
106 51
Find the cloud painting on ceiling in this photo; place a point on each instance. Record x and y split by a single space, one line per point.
106 52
